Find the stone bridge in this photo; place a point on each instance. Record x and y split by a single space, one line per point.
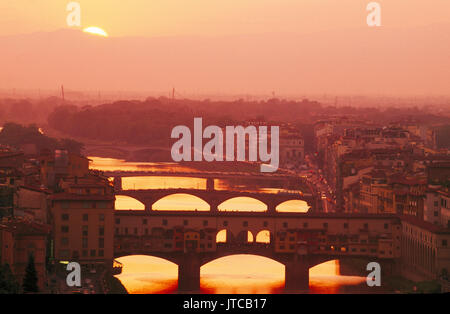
216 197
331 236
296 265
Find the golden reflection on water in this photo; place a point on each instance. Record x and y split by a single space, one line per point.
142 183
231 274
127 203
112 164
182 202
247 204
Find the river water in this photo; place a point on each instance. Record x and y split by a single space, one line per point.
231 274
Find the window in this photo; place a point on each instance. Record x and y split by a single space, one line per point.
64 241
225 223
144 222
92 253
345 225
366 226
64 254
386 226
444 242
205 223
436 213
101 243
65 217
101 217
65 229
185 222
85 243
84 253
101 253
164 222
265 223
85 217
86 205
101 230
285 224
305 225
85 231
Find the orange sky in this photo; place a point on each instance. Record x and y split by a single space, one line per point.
215 17
228 47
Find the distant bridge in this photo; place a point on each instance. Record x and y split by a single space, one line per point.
216 197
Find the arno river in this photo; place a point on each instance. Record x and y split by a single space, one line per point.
232 274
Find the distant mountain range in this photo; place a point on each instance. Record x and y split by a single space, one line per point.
367 60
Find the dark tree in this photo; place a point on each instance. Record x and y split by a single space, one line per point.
8 282
30 280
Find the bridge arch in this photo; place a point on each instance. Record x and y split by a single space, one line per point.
181 202
263 236
251 204
224 236
293 206
156 256
124 202
245 236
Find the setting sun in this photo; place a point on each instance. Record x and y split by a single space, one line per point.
95 31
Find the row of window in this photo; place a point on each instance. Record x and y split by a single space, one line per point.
88 205
265 224
84 241
65 254
84 230
66 217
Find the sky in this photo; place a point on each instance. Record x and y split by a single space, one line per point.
216 17
238 47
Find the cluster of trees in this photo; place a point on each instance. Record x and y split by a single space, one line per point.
151 121
9 283
27 110
16 135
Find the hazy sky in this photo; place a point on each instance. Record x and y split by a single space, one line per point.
216 17
291 47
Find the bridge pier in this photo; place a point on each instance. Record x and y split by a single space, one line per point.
297 275
189 273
